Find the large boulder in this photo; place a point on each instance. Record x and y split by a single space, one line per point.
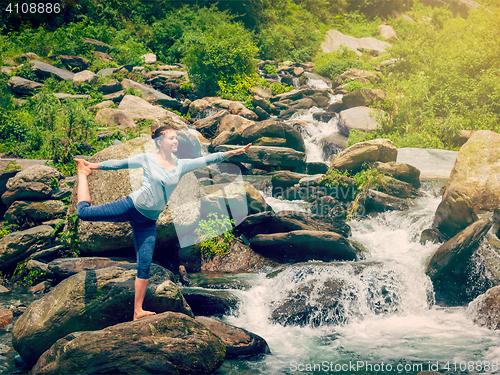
168 343
240 259
17 246
475 171
23 86
139 108
359 75
268 155
401 171
363 97
72 62
239 342
22 211
353 158
91 300
335 39
108 186
334 293
44 70
447 267
304 245
85 76
151 95
35 173
31 191
274 129
359 118
454 214
115 117
66 267
485 309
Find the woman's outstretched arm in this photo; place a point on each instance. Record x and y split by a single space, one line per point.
238 151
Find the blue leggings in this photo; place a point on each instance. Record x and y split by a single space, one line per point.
122 210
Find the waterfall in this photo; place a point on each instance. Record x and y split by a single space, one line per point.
384 318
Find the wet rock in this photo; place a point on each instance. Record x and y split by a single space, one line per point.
44 70
240 259
352 158
304 245
23 86
17 246
485 309
267 155
359 118
239 342
376 201
210 302
20 211
397 188
168 343
281 180
91 300
401 171
477 161
432 235
271 128
209 125
330 294
448 266
454 214
261 113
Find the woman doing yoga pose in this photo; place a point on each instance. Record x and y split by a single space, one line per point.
143 207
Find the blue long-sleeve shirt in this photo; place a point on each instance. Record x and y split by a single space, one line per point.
159 184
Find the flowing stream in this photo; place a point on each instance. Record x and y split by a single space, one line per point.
410 336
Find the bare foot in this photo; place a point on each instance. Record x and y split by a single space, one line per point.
142 313
81 168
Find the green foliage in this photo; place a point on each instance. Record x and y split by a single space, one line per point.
335 63
237 86
4 231
70 237
369 179
221 53
356 85
12 167
334 178
214 244
270 69
446 79
26 277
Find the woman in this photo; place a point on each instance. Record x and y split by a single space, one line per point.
143 207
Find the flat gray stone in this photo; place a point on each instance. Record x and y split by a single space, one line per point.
45 70
432 163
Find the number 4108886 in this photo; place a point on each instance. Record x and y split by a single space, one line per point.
33 8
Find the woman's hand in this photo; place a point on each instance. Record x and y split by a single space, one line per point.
238 151
87 164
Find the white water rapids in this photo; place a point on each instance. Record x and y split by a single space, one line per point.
418 336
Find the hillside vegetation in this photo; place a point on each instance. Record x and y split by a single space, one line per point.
445 78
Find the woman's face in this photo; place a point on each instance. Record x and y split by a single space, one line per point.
168 141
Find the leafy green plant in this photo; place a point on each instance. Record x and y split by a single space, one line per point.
333 178
237 87
335 63
4 231
12 167
209 231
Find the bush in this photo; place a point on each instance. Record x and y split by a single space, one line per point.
335 63
222 52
